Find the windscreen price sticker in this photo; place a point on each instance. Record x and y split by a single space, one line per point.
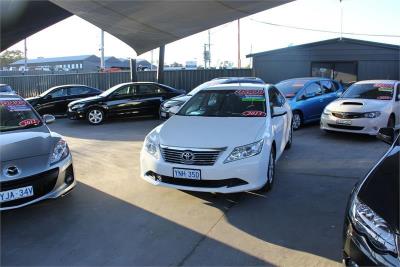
384 85
251 95
29 122
254 113
15 105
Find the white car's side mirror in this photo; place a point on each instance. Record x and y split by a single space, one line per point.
278 111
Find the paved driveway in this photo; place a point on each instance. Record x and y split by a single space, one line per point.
114 218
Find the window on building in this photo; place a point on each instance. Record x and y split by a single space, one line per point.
339 71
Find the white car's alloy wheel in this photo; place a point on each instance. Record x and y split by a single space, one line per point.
95 116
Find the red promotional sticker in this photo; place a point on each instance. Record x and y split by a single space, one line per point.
12 103
384 85
254 113
250 92
29 122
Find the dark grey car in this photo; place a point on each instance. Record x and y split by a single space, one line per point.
35 163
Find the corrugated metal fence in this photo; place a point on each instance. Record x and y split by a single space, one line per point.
31 85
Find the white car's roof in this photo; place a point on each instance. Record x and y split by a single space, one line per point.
236 86
377 81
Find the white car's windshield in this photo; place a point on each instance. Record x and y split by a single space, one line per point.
16 114
226 103
204 85
378 91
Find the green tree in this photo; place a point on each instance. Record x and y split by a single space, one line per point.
10 56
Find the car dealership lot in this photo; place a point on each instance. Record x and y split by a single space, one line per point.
115 218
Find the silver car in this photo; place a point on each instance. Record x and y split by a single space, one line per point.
35 163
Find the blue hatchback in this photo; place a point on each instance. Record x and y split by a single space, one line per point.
308 97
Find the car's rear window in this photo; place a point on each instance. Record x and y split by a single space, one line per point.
16 114
226 103
378 91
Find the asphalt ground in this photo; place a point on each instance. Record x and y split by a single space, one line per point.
113 218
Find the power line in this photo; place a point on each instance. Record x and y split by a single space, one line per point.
324 31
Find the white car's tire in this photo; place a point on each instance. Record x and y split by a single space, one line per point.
270 172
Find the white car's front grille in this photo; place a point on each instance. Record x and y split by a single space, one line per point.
190 156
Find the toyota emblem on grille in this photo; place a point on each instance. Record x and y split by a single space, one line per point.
187 156
11 171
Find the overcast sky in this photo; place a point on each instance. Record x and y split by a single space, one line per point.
75 36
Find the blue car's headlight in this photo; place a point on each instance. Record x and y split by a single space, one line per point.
60 152
242 152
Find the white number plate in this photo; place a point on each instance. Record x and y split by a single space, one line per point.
14 194
163 114
343 122
187 174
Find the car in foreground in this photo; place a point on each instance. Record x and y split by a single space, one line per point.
170 107
122 100
364 108
371 231
226 138
308 97
56 99
5 88
35 162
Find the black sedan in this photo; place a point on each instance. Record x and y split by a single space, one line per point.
56 99
123 100
371 230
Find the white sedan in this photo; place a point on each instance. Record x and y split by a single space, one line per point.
364 108
225 139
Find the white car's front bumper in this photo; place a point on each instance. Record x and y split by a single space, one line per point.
368 126
237 176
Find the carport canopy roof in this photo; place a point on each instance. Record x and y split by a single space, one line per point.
143 25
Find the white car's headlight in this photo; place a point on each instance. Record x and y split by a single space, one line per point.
151 144
327 112
77 106
372 115
372 226
60 152
242 152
